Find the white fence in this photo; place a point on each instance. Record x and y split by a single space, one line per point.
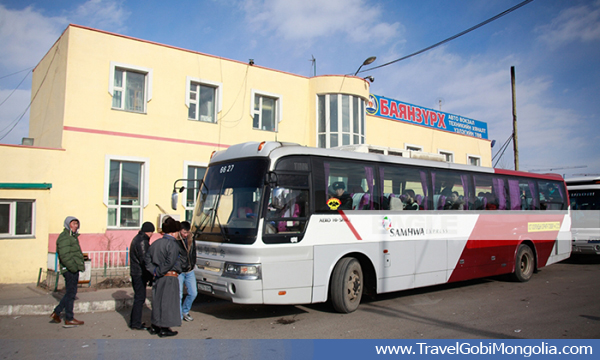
109 259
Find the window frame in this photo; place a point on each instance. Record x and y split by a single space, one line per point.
186 166
478 158
218 103
449 155
130 68
352 123
278 109
413 147
144 192
12 225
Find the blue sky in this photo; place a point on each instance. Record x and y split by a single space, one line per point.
554 46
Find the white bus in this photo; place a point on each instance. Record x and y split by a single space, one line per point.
280 223
584 193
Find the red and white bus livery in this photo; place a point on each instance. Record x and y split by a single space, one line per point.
280 223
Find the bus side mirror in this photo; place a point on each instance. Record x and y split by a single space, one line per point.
271 179
174 200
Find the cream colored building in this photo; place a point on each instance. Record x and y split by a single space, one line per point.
115 121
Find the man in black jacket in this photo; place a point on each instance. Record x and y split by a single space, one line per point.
140 276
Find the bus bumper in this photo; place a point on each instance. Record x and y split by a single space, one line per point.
586 247
234 290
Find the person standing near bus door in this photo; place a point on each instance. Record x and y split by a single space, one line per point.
162 260
140 276
187 251
71 263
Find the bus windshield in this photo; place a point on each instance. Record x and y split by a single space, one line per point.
228 204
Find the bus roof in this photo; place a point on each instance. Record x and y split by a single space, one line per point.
275 150
583 180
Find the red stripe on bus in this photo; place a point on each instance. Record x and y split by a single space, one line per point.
347 221
493 244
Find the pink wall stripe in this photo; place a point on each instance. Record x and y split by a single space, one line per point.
138 136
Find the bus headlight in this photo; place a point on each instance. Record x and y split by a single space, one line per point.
242 271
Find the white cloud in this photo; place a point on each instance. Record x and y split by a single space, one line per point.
578 23
26 35
307 20
102 14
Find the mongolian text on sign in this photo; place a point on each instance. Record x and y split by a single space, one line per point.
398 110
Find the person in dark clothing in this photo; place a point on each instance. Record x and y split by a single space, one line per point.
344 199
140 276
162 260
454 202
71 263
411 203
187 278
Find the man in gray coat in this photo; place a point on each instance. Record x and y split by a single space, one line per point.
162 260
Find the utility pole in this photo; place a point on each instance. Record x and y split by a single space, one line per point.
514 110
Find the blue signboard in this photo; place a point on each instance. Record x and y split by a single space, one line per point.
417 115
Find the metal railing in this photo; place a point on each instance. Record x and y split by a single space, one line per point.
109 259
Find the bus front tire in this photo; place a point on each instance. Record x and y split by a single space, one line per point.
347 285
524 264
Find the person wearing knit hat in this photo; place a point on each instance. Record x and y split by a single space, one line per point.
162 260
140 276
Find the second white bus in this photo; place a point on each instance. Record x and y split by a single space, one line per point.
584 193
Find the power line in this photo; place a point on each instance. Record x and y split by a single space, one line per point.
15 73
9 95
32 99
503 149
455 36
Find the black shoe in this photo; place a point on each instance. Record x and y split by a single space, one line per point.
167 332
153 330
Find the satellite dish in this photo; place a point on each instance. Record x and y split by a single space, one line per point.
493 143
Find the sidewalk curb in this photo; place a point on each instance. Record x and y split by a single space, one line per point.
80 307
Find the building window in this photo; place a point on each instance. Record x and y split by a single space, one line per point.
126 191
448 155
413 147
194 171
266 111
203 99
130 87
340 120
474 160
17 218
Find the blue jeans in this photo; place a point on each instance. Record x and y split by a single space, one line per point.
189 278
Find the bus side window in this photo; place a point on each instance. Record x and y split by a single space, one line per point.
404 188
348 185
451 190
551 195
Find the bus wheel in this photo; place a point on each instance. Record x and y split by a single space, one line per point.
524 264
346 285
